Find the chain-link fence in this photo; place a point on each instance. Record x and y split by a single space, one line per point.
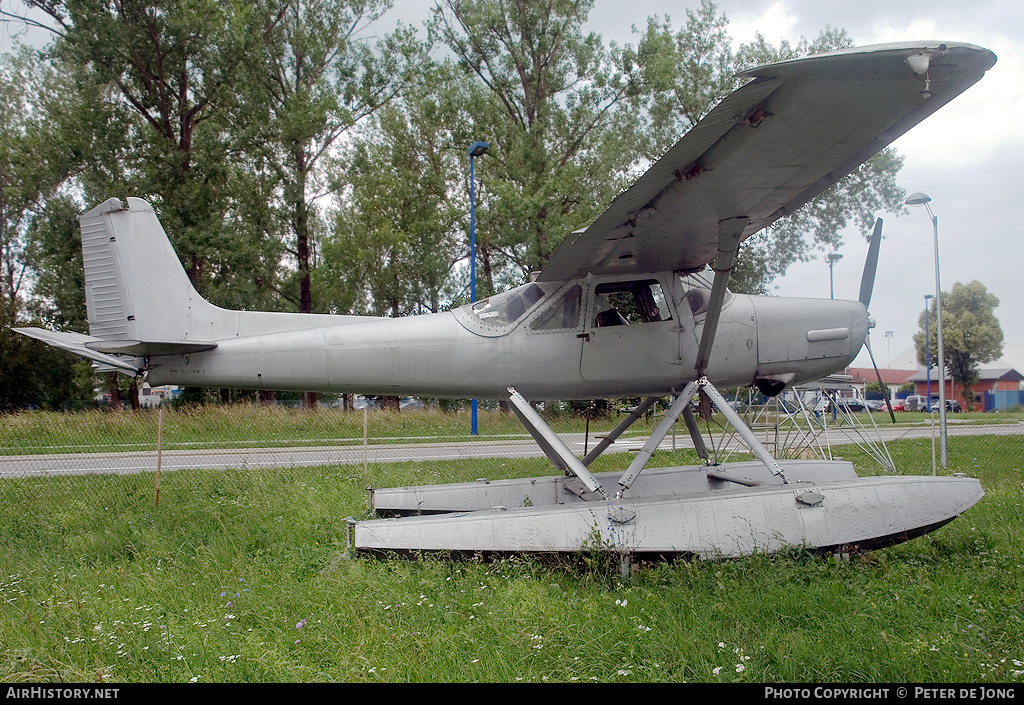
97 461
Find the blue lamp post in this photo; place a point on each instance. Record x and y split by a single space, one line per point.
927 348
477 149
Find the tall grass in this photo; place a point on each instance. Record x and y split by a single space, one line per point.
239 576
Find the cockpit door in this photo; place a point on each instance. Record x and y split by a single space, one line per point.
630 332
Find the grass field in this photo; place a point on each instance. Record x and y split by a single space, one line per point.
239 576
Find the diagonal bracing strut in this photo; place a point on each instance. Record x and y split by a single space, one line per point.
553 446
681 403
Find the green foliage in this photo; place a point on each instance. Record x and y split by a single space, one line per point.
311 82
393 248
971 333
164 73
559 110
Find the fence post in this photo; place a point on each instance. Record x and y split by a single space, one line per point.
159 448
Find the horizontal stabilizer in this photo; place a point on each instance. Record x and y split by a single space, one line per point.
148 347
76 343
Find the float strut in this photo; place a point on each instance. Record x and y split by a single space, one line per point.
681 402
635 414
551 444
745 433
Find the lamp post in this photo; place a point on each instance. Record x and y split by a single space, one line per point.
832 259
476 149
922 199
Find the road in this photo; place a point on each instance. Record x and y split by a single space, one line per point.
122 463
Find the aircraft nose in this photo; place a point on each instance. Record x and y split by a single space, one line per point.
800 340
861 324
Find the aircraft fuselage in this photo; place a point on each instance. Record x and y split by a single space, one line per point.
549 341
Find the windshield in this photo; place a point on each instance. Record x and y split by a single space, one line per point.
506 308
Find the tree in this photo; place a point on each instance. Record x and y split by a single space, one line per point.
399 235
316 80
560 112
971 334
29 175
162 72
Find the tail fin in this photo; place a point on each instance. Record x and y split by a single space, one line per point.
141 303
135 287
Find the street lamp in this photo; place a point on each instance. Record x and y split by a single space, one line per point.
832 259
888 341
476 149
922 199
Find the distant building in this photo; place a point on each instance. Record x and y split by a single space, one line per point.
155 396
893 379
996 388
1001 383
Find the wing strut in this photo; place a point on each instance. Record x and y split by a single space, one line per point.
730 232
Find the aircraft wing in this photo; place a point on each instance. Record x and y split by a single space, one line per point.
767 149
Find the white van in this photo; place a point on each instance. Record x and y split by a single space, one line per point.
916 403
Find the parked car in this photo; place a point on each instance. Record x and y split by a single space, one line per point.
916 403
874 404
850 404
895 405
952 405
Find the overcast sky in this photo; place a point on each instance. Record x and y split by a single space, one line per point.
967 156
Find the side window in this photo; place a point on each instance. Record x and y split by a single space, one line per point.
628 303
697 286
564 314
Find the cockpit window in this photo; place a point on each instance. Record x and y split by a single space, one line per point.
630 302
506 308
697 288
564 314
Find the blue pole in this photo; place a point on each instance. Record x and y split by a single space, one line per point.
472 233
477 149
472 267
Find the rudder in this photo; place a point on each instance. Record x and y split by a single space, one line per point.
135 286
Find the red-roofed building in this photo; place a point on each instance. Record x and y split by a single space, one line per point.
991 380
893 379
